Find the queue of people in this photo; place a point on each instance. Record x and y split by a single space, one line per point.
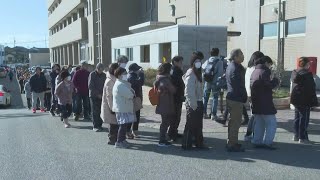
114 96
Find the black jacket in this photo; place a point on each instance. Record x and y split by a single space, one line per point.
261 91
53 76
235 76
177 81
38 83
96 82
304 89
137 81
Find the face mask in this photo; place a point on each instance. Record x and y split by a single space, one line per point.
124 77
69 78
123 65
171 71
197 65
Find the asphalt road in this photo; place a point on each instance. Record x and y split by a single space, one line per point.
37 146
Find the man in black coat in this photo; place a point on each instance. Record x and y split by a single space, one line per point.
176 77
38 84
53 75
303 97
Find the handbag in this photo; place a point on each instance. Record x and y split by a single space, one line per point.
137 104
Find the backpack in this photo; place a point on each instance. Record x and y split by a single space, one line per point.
209 70
154 96
297 96
222 83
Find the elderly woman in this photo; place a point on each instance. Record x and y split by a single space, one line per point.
123 96
107 115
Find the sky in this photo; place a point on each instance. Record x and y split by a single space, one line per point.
25 21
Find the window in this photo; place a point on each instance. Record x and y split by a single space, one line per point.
296 26
145 53
130 54
116 54
269 29
165 53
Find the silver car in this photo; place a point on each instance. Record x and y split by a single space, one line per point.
5 96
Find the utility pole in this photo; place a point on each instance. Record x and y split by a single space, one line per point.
14 42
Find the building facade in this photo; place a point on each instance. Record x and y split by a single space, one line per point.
82 29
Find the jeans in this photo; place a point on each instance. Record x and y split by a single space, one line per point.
47 101
165 123
96 111
301 122
35 97
265 127
82 100
236 110
66 111
122 132
208 88
29 103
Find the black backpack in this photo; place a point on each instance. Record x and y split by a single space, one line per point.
209 70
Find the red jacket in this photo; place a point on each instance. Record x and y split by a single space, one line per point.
80 82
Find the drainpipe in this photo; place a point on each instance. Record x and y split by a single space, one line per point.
152 9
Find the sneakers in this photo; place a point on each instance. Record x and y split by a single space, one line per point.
76 117
121 145
111 143
214 118
42 110
247 138
295 138
164 144
96 129
34 110
135 134
235 148
130 135
67 125
304 141
206 116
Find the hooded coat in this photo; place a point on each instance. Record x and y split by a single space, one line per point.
166 95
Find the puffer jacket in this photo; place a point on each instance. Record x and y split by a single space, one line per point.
107 101
193 90
122 97
166 95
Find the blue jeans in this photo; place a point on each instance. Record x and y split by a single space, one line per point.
265 127
82 100
208 88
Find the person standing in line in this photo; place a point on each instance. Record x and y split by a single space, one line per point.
213 69
38 84
27 89
136 79
96 83
80 82
11 75
123 96
53 75
165 107
236 97
176 77
251 67
64 93
74 109
303 97
265 122
122 61
107 115
47 94
21 79
194 105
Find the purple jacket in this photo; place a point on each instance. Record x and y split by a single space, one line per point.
80 82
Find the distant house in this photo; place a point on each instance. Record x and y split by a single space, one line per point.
10 58
39 57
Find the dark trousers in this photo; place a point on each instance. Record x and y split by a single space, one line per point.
301 122
193 127
134 126
113 132
122 132
21 88
244 113
47 101
82 100
165 123
29 103
96 110
173 130
66 111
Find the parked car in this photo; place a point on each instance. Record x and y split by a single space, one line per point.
5 96
3 72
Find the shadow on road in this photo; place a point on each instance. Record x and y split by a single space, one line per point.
5 116
297 155
314 126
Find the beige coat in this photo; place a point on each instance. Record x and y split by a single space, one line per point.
107 101
193 90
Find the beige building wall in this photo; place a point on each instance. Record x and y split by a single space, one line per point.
39 59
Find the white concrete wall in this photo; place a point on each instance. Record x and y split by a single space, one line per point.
39 59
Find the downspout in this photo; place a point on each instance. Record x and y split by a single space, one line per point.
152 9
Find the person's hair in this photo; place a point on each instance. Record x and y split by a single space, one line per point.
235 53
38 68
254 57
113 67
122 59
119 71
214 52
78 68
196 71
164 69
263 60
303 61
176 59
198 55
64 75
58 65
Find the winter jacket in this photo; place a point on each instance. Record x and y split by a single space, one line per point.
27 89
136 81
80 82
249 72
122 97
53 76
96 83
235 76
193 90
305 82
177 81
64 92
261 88
107 101
166 95
48 89
38 83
